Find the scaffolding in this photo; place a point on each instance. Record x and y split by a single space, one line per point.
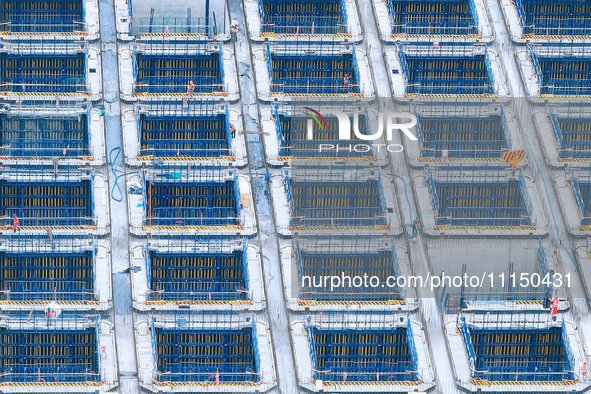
42 269
306 18
500 353
347 258
171 71
483 135
559 19
581 191
49 135
215 350
479 198
210 271
450 71
309 69
363 351
44 68
167 131
335 197
37 349
210 198
40 16
62 202
560 73
294 143
449 18
572 136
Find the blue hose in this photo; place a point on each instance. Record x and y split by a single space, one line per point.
115 175
409 210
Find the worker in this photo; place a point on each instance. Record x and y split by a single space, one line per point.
584 370
346 78
554 308
15 223
235 30
190 89
416 224
233 130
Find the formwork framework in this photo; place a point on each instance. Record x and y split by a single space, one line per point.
450 72
480 201
158 72
209 275
49 71
314 70
471 134
560 71
560 20
498 352
63 203
348 258
450 19
204 133
581 191
303 19
572 136
321 199
66 352
292 131
206 202
205 352
354 353
38 17
30 136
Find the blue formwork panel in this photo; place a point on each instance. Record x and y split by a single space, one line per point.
573 137
292 133
463 137
363 355
192 204
57 356
198 277
34 16
185 136
559 18
31 136
313 266
519 355
206 355
564 75
313 73
169 74
437 74
47 204
482 204
34 73
42 276
308 17
450 17
314 203
582 195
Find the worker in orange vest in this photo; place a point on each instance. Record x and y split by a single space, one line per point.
554 308
15 223
235 30
584 370
346 78
233 130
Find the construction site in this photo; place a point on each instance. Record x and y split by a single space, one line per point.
337 196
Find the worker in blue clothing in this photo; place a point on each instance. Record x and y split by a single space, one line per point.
416 226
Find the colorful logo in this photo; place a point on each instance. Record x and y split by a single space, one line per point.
318 118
